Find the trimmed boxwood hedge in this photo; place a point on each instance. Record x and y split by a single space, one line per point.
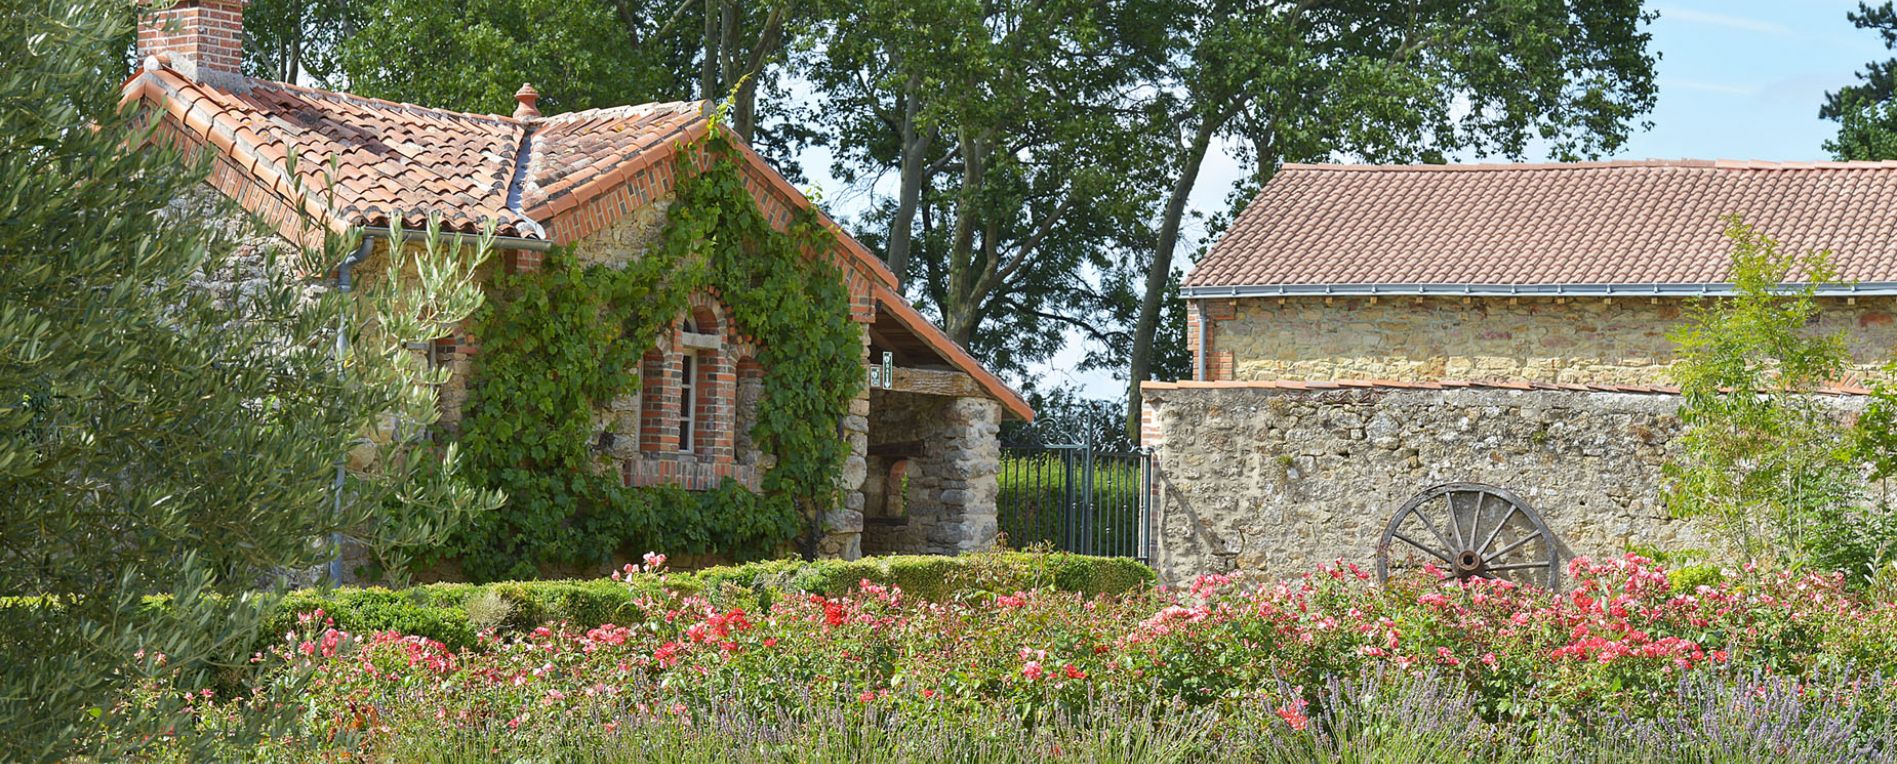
440 611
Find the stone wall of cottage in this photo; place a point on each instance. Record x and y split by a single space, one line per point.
1540 339
935 494
1278 481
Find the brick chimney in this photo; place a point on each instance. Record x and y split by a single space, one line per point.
204 39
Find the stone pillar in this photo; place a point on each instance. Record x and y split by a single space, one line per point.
843 526
970 460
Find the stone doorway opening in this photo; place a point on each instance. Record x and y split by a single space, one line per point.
932 461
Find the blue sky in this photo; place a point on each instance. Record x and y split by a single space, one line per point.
1744 79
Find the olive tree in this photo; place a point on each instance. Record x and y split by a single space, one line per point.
166 432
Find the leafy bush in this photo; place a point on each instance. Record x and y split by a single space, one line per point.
1779 466
1329 668
454 613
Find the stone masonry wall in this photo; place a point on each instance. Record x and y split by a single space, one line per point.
1540 339
948 504
1278 481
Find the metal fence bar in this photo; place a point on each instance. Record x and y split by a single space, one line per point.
1076 499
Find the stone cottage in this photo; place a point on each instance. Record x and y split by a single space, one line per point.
1364 334
598 182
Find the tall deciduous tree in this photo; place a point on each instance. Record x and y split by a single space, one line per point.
579 54
1008 129
1297 80
166 430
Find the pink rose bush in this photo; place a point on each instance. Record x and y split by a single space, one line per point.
1621 643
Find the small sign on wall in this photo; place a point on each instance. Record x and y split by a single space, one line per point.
889 370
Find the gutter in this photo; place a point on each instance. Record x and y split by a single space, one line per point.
1709 289
343 284
457 237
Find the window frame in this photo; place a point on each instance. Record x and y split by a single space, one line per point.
688 402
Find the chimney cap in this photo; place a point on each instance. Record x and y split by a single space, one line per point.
527 97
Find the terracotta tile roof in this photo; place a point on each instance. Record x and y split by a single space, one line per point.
1501 228
393 163
577 155
1394 384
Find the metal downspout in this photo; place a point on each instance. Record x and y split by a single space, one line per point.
342 350
1199 370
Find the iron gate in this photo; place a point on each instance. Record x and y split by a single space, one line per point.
1076 499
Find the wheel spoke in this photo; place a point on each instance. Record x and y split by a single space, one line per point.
1414 543
1431 526
1514 546
1467 545
1455 523
1484 549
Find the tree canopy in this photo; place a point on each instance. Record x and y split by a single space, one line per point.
1866 116
1025 166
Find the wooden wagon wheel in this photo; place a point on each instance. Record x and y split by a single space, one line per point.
1471 530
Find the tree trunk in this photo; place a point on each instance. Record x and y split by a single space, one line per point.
958 315
708 64
915 149
1159 272
744 121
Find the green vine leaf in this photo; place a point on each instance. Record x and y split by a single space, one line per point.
560 343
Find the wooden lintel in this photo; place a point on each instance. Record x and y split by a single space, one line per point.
936 382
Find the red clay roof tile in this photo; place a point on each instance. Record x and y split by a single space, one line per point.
369 162
1602 223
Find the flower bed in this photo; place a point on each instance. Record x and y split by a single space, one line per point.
1422 669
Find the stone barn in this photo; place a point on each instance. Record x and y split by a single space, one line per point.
598 182
1454 360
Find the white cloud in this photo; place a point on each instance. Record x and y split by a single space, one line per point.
1723 20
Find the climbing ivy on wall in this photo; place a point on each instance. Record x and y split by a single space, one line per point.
562 342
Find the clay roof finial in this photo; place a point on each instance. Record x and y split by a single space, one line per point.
527 96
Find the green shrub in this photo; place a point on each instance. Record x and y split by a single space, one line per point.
373 609
1687 579
935 577
454 614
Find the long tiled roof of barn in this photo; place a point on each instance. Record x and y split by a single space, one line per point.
1626 227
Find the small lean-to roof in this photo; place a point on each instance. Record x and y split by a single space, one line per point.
1627 227
365 162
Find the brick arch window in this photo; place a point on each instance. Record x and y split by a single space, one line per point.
690 407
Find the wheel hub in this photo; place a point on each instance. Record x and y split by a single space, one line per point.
1468 563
